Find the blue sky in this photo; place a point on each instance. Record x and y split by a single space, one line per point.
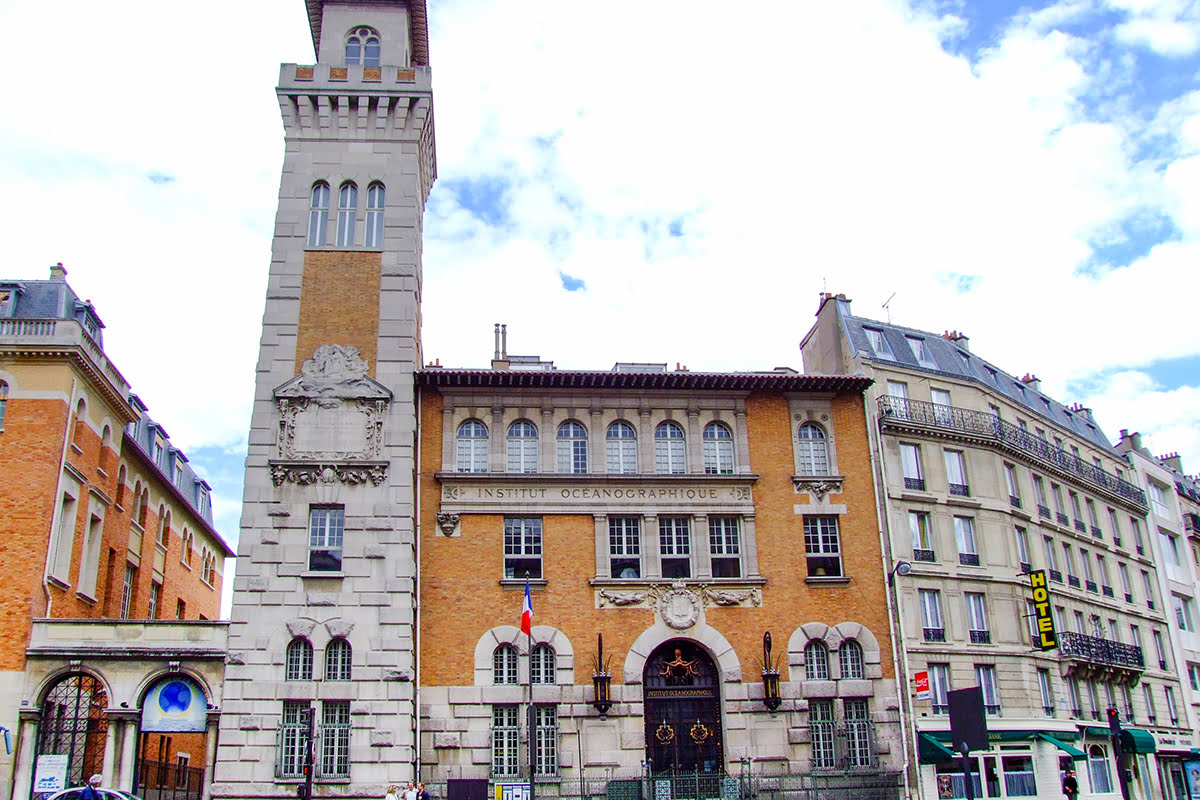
648 182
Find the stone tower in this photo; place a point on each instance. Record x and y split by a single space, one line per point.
324 602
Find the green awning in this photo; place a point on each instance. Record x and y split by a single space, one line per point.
1136 740
931 751
1073 752
1133 740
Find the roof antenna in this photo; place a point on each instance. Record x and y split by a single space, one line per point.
887 307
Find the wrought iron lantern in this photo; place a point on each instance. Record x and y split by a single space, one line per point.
601 679
770 677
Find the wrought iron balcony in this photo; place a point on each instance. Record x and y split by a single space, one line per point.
916 484
1091 586
1062 519
924 555
1107 591
935 634
1056 576
1073 581
1043 511
1014 501
1096 532
969 559
960 490
1079 525
1100 652
979 424
981 637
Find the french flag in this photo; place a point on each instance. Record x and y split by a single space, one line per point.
527 612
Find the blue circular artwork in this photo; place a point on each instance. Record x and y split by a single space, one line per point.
175 697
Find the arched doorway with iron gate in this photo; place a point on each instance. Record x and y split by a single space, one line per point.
682 709
74 724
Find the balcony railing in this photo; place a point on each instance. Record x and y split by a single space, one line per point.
1096 532
1100 651
1062 519
969 559
1073 581
916 484
981 637
979 423
1014 501
1043 511
1079 525
960 490
935 634
1056 576
923 555
1091 586
1107 591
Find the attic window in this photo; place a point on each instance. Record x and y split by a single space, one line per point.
921 351
879 344
992 373
8 301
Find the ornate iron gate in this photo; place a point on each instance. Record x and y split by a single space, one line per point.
74 724
682 709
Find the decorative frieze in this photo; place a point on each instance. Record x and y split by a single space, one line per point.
308 474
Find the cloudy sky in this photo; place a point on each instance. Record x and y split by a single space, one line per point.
655 180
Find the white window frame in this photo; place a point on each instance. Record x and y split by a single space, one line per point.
506 744
823 545
624 547
675 546
523 548
347 219
725 546
376 198
718 449
471 447
505 661
326 537
620 448
318 214
812 448
670 448
521 448
571 448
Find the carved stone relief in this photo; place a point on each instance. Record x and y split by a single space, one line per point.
817 487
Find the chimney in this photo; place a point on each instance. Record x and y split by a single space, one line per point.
58 272
1172 461
500 359
1032 382
960 339
496 355
1130 441
504 341
1080 408
825 297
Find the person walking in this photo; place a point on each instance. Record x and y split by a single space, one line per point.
90 792
1070 786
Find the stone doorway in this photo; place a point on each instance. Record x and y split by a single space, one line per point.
682 702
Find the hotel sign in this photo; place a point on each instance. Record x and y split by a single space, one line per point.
1046 637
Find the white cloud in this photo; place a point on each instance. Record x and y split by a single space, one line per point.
1168 419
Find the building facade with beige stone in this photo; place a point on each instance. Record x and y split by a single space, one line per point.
107 534
679 516
986 479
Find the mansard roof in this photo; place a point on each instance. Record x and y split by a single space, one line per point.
662 381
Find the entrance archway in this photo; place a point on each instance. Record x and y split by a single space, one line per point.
172 743
74 724
682 701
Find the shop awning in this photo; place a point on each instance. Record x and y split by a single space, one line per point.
1133 740
931 751
1073 752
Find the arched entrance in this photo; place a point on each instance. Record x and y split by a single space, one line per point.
74 724
172 744
682 700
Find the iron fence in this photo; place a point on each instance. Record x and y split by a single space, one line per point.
979 423
1100 651
159 780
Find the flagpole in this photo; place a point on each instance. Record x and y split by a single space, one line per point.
527 614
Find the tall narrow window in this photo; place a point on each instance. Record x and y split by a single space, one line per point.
293 732
858 733
624 547
127 591
1046 692
155 599
821 733
850 660
943 412
1014 488
523 547
985 676
335 738
572 448
910 460
669 449
724 541
813 452
675 546
956 473
977 621
298 660
337 660
522 447
326 526
822 546
506 745
318 215
939 687
1021 537
718 449
964 534
1098 772
375 198
504 665
543 665
347 214
931 615
922 536
4 402
816 661
545 719
620 448
471 450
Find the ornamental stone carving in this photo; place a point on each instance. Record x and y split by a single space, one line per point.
817 487
352 474
730 597
679 606
334 371
447 522
621 598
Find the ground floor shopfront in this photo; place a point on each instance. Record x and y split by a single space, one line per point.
1033 762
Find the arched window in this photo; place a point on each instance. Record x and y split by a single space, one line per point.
318 214
572 448
185 554
814 454
164 525
299 662
136 511
337 660
718 449
543 665
471 453
816 661
362 47
521 448
620 448
347 214
3 401
1101 779
669 449
144 509
121 490
504 665
850 659
80 423
374 215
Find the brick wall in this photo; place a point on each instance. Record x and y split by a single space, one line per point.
339 303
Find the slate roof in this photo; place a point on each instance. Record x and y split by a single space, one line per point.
954 361
677 381
53 299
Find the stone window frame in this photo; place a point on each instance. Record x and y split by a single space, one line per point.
833 637
566 437
720 447
643 414
467 466
318 214
374 219
666 445
298 660
701 554
485 646
361 37
516 442
339 659
347 215
817 410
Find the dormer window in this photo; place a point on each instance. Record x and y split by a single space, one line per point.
879 344
920 351
8 300
362 47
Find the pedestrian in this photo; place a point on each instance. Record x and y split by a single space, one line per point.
411 792
393 793
421 793
1070 786
90 791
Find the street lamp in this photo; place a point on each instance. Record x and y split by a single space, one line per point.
902 568
601 679
770 677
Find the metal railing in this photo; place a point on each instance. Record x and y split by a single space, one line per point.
978 423
159 780
1100 651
